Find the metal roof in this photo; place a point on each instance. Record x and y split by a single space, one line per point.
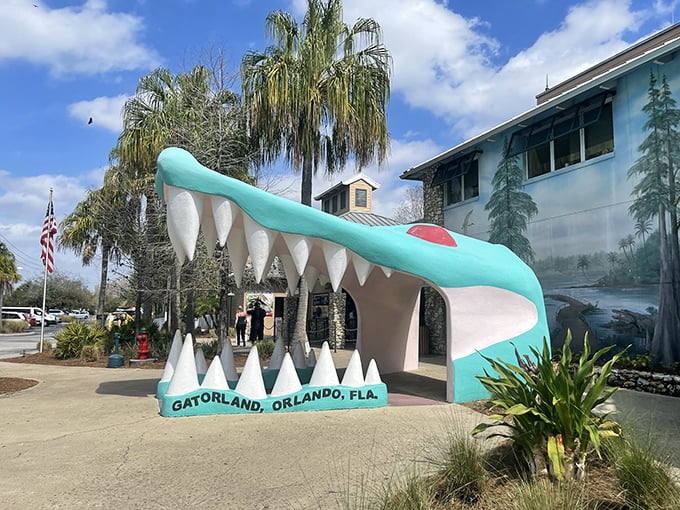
373 220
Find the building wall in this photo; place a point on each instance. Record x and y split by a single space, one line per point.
369 196
583 212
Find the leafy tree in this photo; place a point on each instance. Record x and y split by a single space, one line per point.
63 291
317 96
654 196
8 271
510 208
412 207
583 263
195 111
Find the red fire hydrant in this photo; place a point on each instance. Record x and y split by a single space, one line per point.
143 341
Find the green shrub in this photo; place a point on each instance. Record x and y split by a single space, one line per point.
17 326
544 495
549 409
265 349
89 353
72 338
460 469
646 481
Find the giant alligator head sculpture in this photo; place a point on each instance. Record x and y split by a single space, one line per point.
493 300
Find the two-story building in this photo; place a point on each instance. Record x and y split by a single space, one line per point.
593 236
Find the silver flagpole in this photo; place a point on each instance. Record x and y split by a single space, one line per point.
47 256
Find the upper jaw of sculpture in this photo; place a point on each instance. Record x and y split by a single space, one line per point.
307 240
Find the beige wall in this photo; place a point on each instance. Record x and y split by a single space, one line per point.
369 196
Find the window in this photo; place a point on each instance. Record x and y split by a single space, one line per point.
360 198
578 134
326 205
343 199
334 201
462 186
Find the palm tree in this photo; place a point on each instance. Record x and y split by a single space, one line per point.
8 271
90 228
583 263
195 111
317 96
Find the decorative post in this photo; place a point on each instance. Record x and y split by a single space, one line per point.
115 360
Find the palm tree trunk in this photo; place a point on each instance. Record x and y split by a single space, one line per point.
300 330
190 298
106 250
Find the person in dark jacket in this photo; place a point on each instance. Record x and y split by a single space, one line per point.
240 323
257 315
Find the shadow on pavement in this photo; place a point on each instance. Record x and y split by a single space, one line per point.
408 383
132 388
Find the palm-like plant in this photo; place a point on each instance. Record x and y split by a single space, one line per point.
8 271
317 96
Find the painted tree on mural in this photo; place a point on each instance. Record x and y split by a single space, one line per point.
510 208
654 198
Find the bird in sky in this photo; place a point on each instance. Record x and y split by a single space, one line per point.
90 121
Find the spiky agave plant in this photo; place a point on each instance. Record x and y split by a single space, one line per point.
550 406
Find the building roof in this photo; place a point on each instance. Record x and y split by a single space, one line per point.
358 177
659 47
370 219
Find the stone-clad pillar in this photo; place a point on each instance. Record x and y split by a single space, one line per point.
435 308
336 319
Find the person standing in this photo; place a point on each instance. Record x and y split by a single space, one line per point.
257 315
240 323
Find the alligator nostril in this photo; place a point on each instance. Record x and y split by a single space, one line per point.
432 234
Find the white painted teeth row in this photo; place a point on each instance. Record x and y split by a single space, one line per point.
183 367
224 222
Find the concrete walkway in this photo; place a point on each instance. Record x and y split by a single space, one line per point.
92 438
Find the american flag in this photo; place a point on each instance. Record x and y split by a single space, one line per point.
49 230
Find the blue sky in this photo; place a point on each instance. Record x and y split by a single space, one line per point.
460 67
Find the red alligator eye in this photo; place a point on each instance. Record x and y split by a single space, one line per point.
432 234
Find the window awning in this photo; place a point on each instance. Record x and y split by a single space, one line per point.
455 167
566 122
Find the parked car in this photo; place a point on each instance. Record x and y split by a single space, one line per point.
58 314
80 314
18 317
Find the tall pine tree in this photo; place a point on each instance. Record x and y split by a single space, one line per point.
654 194
510 208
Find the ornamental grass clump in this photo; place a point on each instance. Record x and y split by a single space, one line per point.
547 409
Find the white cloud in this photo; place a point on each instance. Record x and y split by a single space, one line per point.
23 202
73 40
445 65
104 111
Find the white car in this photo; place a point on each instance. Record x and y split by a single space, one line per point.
80 314
58 314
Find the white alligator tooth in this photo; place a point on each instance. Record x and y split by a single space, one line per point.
183 218
208 227
238 253
251 384
324 372
362 267
311 359
372 374
354 373
277 355
201 364
260 241
224 214
287 381
299 356
227 359
299 248
336 262
185 378
173 356
387 271
311 276
292 277
214 377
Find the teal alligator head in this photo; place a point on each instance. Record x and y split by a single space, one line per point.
491 297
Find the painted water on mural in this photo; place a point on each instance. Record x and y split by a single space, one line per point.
603 310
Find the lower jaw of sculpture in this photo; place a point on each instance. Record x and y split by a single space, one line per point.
207 402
